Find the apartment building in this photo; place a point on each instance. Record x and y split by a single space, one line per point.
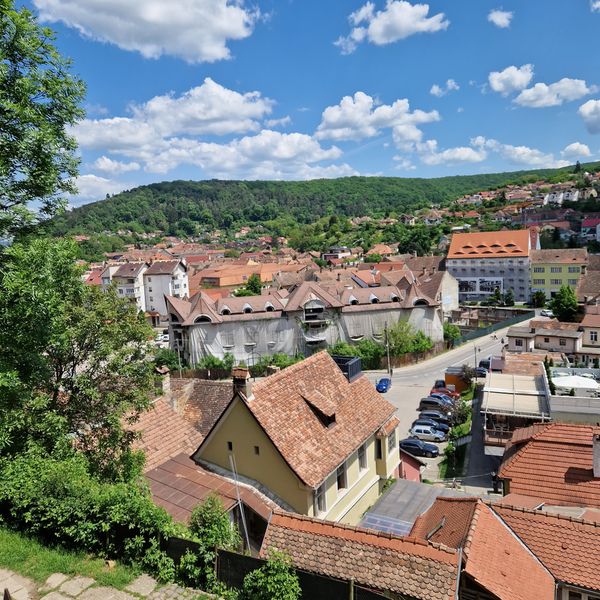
551 269
129 279
165 278
485 261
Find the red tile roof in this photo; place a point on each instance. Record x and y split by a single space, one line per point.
490 244
375 560
568 547
164 434
553 462
502 564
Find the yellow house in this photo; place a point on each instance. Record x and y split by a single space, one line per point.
551 269
321 444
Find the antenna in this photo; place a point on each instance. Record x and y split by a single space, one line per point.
237 492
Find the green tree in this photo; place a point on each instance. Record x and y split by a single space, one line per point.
165 357
373 258
40 99
210 523
73 360
451 333
508 299
564 304
276 580
421 343
253 286
400 338
538 299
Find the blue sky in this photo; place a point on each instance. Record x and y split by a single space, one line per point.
299 89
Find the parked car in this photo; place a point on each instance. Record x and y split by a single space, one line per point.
481 372
165 337
439 383
435 404
383 385
435 415
431 423
486 364
427 434
546 313
443 390
449 401
419 448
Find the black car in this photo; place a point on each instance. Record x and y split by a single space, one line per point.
439 383
430 403
480 372
419 448
435 415
431 423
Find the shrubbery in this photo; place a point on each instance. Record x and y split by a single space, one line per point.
369 352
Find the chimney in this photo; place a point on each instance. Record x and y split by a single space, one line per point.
596 455
241 381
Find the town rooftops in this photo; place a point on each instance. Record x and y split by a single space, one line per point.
375 560
129 270
286 406
571 256
164 267
590 319
553 462
568 547
490 244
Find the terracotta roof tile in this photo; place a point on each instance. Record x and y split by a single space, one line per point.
490 244
164 434
575 256
553 462
568 547
311 449
373 559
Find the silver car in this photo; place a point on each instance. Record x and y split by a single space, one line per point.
426 433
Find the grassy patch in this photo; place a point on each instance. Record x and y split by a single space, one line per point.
468 394
454 466
28 557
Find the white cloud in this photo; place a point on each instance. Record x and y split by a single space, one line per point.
287 120
500 18
357 117
519 155
590 113
92 187
404 164
576 150
114 167
595 5
398 20
440 91
429 154
195 30
565 90
511 79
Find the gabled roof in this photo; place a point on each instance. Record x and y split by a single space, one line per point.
553 462
281 404
568 547
373 559
308 290
490 244
129 270
164 267
571 256
201 304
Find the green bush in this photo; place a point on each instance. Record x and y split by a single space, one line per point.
213 362
276 580
59 502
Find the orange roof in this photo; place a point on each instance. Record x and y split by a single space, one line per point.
553 462
286 406
568 547
490 244
502 564
373 559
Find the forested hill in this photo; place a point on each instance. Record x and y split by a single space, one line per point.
170 206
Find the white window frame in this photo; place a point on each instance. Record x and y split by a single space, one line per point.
320 500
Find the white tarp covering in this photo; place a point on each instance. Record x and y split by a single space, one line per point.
576 382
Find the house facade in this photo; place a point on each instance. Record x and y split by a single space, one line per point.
320 442
485 261
165 278
129 280
551 269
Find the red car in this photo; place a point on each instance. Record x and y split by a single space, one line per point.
442 390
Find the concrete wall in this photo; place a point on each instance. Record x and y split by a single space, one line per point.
157 286
544 274
571 345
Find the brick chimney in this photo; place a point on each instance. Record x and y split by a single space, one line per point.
241 381
596 455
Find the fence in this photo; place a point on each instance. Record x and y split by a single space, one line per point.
410 359
233 567
212 374
477 333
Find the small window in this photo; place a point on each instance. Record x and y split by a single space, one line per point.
562 342
149 289
342 477
378 449
230 446
149 279
362 457
519 343
320 500
593 336
256 450
546 340
151 299
392 441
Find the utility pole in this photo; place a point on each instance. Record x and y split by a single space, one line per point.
475 350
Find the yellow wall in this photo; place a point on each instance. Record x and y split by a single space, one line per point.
268 467
564 277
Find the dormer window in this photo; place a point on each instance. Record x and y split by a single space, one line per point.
225 310
373 299
269 307
247 308
352 300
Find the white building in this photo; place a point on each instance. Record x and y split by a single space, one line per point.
129 279
165 278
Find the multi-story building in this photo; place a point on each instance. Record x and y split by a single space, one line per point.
320 441
485 261
165 278
129 279
551 269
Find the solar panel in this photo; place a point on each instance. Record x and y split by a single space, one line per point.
387 524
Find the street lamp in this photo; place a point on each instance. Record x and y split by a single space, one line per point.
476 349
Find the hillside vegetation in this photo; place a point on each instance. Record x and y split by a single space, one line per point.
192 206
